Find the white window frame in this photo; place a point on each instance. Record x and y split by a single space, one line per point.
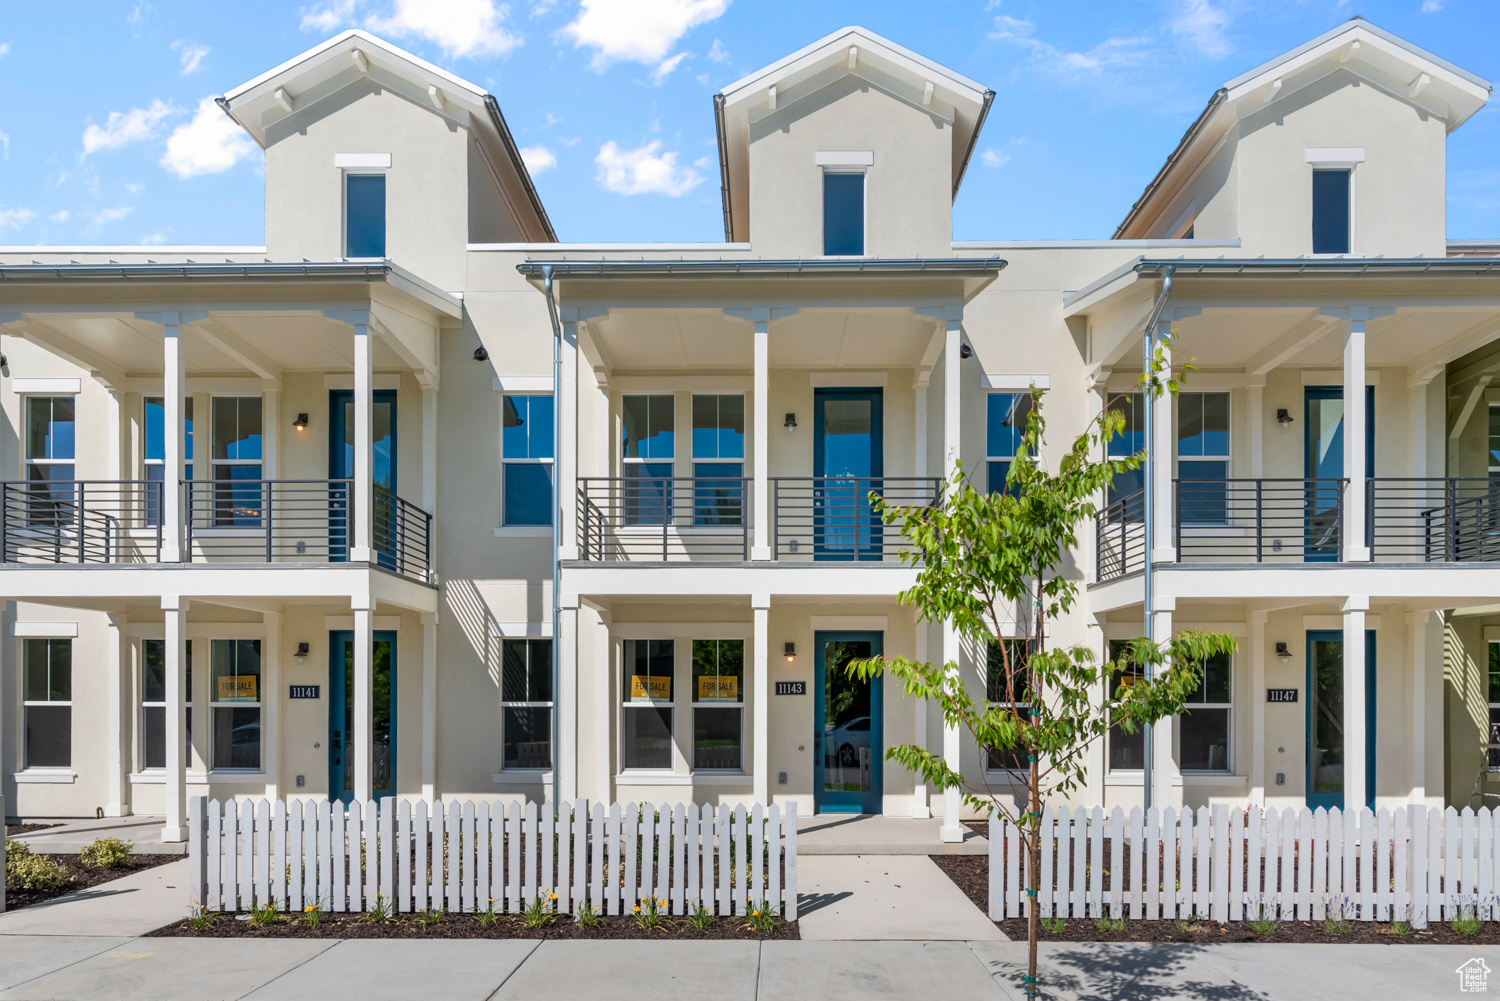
864 205
990 455
504 705
1492 758
637 460
1225 458
187 417
694 461
187 703
627 704
26 703
361 165
1108 692
506 461
1490 442
214 705
694 704
985 751
1228 708
30 460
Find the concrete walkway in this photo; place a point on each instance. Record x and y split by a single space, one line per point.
852 834
143 833
121 908
115 969
885 898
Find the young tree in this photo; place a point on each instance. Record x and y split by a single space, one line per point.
991 565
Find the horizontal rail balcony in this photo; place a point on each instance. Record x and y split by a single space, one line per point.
224 521
1433 520
833 518
664 518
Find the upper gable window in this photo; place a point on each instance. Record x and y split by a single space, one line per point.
364 215
844 200
1330 214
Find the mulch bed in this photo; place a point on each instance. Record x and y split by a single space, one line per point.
614 926
971 874
82 877
11 830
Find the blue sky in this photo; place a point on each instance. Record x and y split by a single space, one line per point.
105 137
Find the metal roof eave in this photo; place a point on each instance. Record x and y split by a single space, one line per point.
1296 266
941 266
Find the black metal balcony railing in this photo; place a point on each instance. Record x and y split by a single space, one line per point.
832 517
269 520
1120 535
80 521
1449 520
664 518
402 536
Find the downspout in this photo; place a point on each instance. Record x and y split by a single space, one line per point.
1148 353
557 503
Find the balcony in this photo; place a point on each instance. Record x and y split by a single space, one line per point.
224 521
710 519
1426 520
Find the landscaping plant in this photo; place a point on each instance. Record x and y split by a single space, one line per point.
381 911
312 915
985 559
1466 922
35 872
586 916
700 917
1267 919
1336 920
106 853
760 917
540 912
267 913
487 916
648 913
1054 926
199 916
428 916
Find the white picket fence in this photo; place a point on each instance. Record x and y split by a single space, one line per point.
468 856
1233 864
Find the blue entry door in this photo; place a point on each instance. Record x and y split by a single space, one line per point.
848 744
1323 448
341 716
383 466
848 459
1326 749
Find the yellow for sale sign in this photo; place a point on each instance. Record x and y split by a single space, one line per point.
242 688
650 687
718 689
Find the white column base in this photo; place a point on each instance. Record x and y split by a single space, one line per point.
1356 554
760 552
112 810
174 835
1164 554
567 553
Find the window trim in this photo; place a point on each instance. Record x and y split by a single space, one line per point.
362 170
991 456
627 704
1330 166
526 529
29 460
694 704
26 703
1109 769
694 461
1228 708
504 705
986 751
864 206
214 704
1227 458
146 769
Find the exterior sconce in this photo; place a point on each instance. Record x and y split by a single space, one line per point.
965 352
1282 652
791 422
301 653
791 652
1283 416
300 423
480 354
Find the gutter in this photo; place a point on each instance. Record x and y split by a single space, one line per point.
509 142
963 165
942 266
1292 266
1191 134
1149 502
39 274
723 165
557 502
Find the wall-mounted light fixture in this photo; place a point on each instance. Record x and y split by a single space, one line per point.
480 354
300 423
1283 652
301 653
965 351
1283 416
791 422
791 651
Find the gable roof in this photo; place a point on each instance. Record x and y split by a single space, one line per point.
327 68
1435 85
851 51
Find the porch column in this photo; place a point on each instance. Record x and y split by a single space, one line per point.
361 741
605 699
429 705
1257 390
1257 707
566 464
565 757
1354 610
952 830
1416 645
1165 773
270 432
270 703
363 550
174 615
429 449
1159 459
118 698
174 389
1356 548
761 505
760 707
920 809
1417 403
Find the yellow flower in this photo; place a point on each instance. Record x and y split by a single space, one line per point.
554 896
638 908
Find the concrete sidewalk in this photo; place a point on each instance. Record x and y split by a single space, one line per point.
122 908
115 969
143 833
885 898
866 834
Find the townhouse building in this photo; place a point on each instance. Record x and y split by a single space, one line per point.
281 521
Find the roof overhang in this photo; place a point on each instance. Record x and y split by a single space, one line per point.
1430 83
851 51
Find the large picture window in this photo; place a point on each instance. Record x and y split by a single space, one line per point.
526 704
646 719
1494 705
1005 425
718 704
235 462
526 455
154 703
1203 456
718 460
235 694
1006 688
49 453
1204 730
649 425
47 702
1126 751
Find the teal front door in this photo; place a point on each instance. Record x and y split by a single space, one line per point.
341 716
1323 410
1326 748
383 468
848 461
848 737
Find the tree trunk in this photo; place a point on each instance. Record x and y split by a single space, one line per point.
1034 880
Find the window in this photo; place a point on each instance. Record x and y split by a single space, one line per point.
235 461
1002 695
1205 723
718 434
235 696
154 703
718 704
650 445
646 725
49 460
1130 440
1203 456
526 704
1006 423
48 703
364 215
1494 462
1330 215
155 420
843 214
1127 751
1494 700
526 453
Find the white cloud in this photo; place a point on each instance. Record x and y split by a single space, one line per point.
135 188
61 215
5 142
191 54
1109 54
154 239
1431 6
15 218
993 158
718 53
4 49
643 171
1203 24
538 159
327 16
459 27
112 215
641 31
123 128
209 144
666 66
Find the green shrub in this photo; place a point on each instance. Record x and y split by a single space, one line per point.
107 853
14 852
1466 922
35 872
1054 926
